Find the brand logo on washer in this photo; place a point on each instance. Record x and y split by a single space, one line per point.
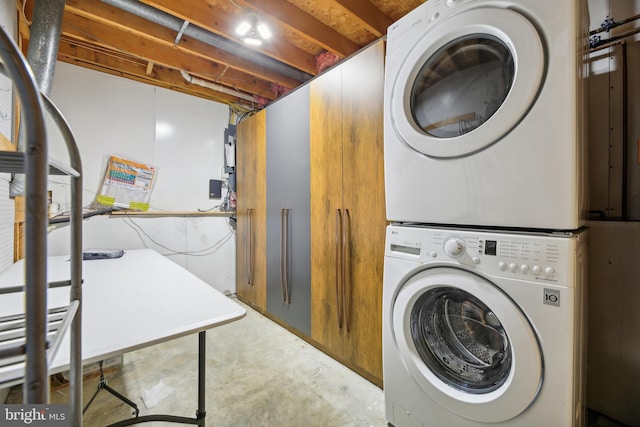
551 297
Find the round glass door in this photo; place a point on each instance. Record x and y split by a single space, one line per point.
461 340
462 85
467 82
467 344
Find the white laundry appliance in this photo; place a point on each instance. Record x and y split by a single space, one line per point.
484 114
482 328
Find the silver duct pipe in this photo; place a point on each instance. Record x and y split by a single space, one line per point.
42 55
169 21
44 41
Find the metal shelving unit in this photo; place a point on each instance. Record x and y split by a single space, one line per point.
33 338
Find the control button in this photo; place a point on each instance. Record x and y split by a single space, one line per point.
453 3
549 270
475 260
434 16
502 265
524 268
433 254
454 247
537 269
513 267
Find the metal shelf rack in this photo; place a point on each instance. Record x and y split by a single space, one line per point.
29 346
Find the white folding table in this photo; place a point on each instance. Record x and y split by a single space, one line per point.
129 303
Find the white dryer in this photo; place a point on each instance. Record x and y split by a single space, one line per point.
484 114
483 328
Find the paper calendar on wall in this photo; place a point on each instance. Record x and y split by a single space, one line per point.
127 184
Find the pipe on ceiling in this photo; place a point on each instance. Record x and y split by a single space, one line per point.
42 55
171 22
206 83
44 41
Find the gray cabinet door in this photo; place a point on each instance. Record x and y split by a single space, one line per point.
288 211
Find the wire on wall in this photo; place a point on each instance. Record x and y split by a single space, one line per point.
201 252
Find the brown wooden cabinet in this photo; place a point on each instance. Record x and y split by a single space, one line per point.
251 268
348 211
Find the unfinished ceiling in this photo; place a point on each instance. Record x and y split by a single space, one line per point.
190 46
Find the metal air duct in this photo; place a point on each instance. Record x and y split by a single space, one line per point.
45 39
42 55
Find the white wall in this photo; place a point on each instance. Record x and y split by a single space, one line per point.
179 134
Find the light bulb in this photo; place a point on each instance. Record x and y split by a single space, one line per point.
253 41
264 30
243 28
252 30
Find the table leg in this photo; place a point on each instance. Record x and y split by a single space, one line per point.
202 380
201 412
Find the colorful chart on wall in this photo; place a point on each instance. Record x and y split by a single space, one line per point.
127 184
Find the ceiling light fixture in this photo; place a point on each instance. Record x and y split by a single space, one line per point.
253 30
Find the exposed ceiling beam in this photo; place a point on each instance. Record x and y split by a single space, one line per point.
112 17
369 17
81 28
303 24
170 43
219 22
114 63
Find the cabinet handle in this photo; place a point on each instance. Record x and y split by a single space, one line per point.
282 255
338 265
248 251
287 292
346 262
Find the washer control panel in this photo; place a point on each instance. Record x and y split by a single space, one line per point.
541 257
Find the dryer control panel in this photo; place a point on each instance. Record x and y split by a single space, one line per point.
543 257
424 16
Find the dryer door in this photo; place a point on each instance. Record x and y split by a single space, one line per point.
467 82
467 344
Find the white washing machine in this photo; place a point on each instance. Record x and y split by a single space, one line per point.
484 114
483 328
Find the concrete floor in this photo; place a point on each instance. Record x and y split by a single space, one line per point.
258 375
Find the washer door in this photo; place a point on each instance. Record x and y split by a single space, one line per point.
467 344
467 82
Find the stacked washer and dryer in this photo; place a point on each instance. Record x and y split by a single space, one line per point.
485 261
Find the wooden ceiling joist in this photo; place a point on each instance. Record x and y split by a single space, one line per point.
220 22
169 43
304 25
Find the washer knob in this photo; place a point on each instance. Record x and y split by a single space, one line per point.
502 265
537 269
524 268
513 267
454 247
549 270
475 260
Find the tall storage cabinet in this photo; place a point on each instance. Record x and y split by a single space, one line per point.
348 211
288 221
251 268
311 211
